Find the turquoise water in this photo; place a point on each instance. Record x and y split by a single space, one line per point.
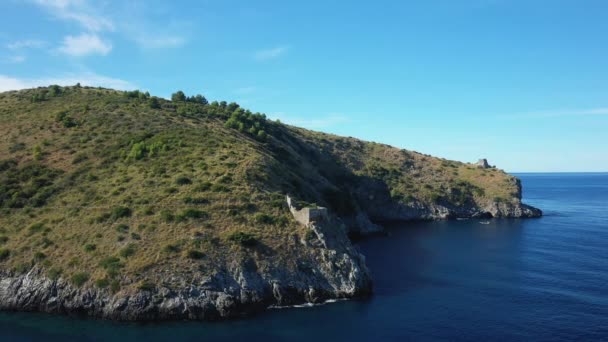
537 279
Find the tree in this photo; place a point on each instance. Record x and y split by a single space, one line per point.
201 99
233 106
178 96
154 103
54 90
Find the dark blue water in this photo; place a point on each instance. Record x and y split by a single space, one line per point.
540 279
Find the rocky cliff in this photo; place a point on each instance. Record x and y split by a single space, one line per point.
334 270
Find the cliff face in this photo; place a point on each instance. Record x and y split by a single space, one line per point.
124 206
336 270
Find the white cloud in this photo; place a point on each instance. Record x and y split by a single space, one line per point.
128 18
78 11
87 78
313 122
26 44
84 44
267 54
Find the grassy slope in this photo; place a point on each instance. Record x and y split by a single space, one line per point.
113 187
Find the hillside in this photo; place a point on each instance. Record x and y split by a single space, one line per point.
126 206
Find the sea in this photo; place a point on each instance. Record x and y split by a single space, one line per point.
540 279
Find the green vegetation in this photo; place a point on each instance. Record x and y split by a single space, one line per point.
146 286
64 119
120 212
80 278
102 283
4 254
128 251
130 186
243 238
89 247
54 273
27 185
191 214
194 254
247 122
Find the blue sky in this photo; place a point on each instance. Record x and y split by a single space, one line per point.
522 83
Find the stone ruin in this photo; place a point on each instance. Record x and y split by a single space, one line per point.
306 216
483 163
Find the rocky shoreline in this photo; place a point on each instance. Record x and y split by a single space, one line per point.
242 288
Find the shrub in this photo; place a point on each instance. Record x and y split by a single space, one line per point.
14 148
89 247
171 248
263 218
114 286
37 152
154 103
219 188
120 212
4 254
80 278
194 254
192 214
202 187
79 158
54 90
54 273
128 251
36 228
262 135
242 238
64 119
3 240
182 180
195 200
30 185
281 221
146 286
135 236
137 152
167 216
38 256
111 264
122 228
102 283
39 97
